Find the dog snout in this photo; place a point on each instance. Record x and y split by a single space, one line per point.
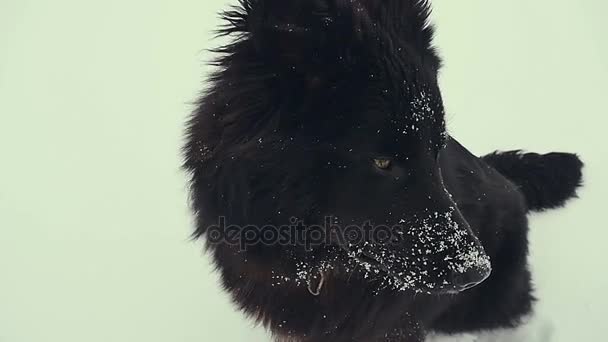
462 281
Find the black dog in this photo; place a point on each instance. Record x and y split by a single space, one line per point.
325 120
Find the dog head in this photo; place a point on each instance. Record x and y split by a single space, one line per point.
332 109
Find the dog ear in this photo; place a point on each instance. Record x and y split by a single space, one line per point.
290 31
299 36
310 38
317 39
410 21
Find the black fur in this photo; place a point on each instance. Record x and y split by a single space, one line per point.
307 99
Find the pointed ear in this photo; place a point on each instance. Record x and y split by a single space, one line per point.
409 20
296 34
307 42
317 40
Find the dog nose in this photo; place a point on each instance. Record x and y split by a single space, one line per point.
462 281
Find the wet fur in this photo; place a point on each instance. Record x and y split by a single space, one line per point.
247 152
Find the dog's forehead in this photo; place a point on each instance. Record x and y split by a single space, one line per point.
398 111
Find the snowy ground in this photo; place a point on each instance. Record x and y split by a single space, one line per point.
93 218
536 329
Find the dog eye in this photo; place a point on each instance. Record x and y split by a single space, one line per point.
383 163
